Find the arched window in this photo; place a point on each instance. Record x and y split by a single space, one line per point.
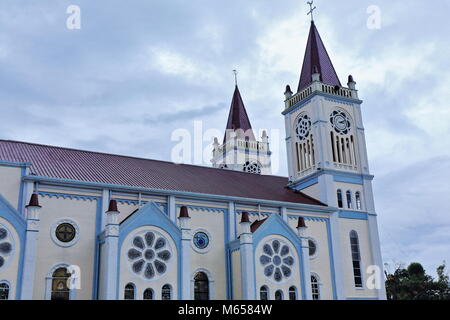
4 291
201 286
166 292
148 294
292 293
339 199
279 295
356 259
349 199
264 293
315 288
129 292
358 200
60 289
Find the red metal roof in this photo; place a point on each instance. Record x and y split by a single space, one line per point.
64 163
316 56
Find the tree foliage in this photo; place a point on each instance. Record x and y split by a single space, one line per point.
413 283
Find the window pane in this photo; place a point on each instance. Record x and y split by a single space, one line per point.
292 293
201 286
4 291
129 292
60 290
263 294
278 295
166 292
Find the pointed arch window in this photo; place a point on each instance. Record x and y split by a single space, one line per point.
349 199
201 286
166 292
358 200
148 294
356 259
339 198
315 288
129 292
264 293
292 293
4 291
60 288
279 295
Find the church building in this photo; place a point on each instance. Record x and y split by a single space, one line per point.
84 225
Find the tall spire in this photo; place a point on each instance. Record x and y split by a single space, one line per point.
238 118
317 60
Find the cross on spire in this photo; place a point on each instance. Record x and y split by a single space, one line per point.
235 76
311 9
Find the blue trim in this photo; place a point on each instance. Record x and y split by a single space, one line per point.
143 203
14 164
203 208
275 225
263 213
150 215
338 176
191 195
98 216
10 214
348 179
345 214
68 195
331 257
227 260
96 271
21 201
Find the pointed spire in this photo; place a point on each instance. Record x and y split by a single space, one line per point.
238 118
316 61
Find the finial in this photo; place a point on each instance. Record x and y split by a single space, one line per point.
184 213
235 76
311 9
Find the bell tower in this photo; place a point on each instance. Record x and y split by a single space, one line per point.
240 150
325 140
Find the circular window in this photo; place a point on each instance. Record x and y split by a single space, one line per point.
65 232
201 240
276 260
252 167
6 246
303 127
149 255
340 121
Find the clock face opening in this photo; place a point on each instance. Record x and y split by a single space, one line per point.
340 122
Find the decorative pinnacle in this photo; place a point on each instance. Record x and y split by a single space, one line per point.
311 9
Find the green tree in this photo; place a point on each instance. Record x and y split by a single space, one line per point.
413 283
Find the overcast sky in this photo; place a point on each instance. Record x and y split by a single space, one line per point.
138 70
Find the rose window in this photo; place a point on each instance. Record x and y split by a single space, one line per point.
149 255
5 246
276 260
252 167
340 122
303 127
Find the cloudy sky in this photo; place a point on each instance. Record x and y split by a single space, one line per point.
138 70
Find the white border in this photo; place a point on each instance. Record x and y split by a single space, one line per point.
210 238
56 240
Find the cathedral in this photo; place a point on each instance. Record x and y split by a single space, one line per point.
81 225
